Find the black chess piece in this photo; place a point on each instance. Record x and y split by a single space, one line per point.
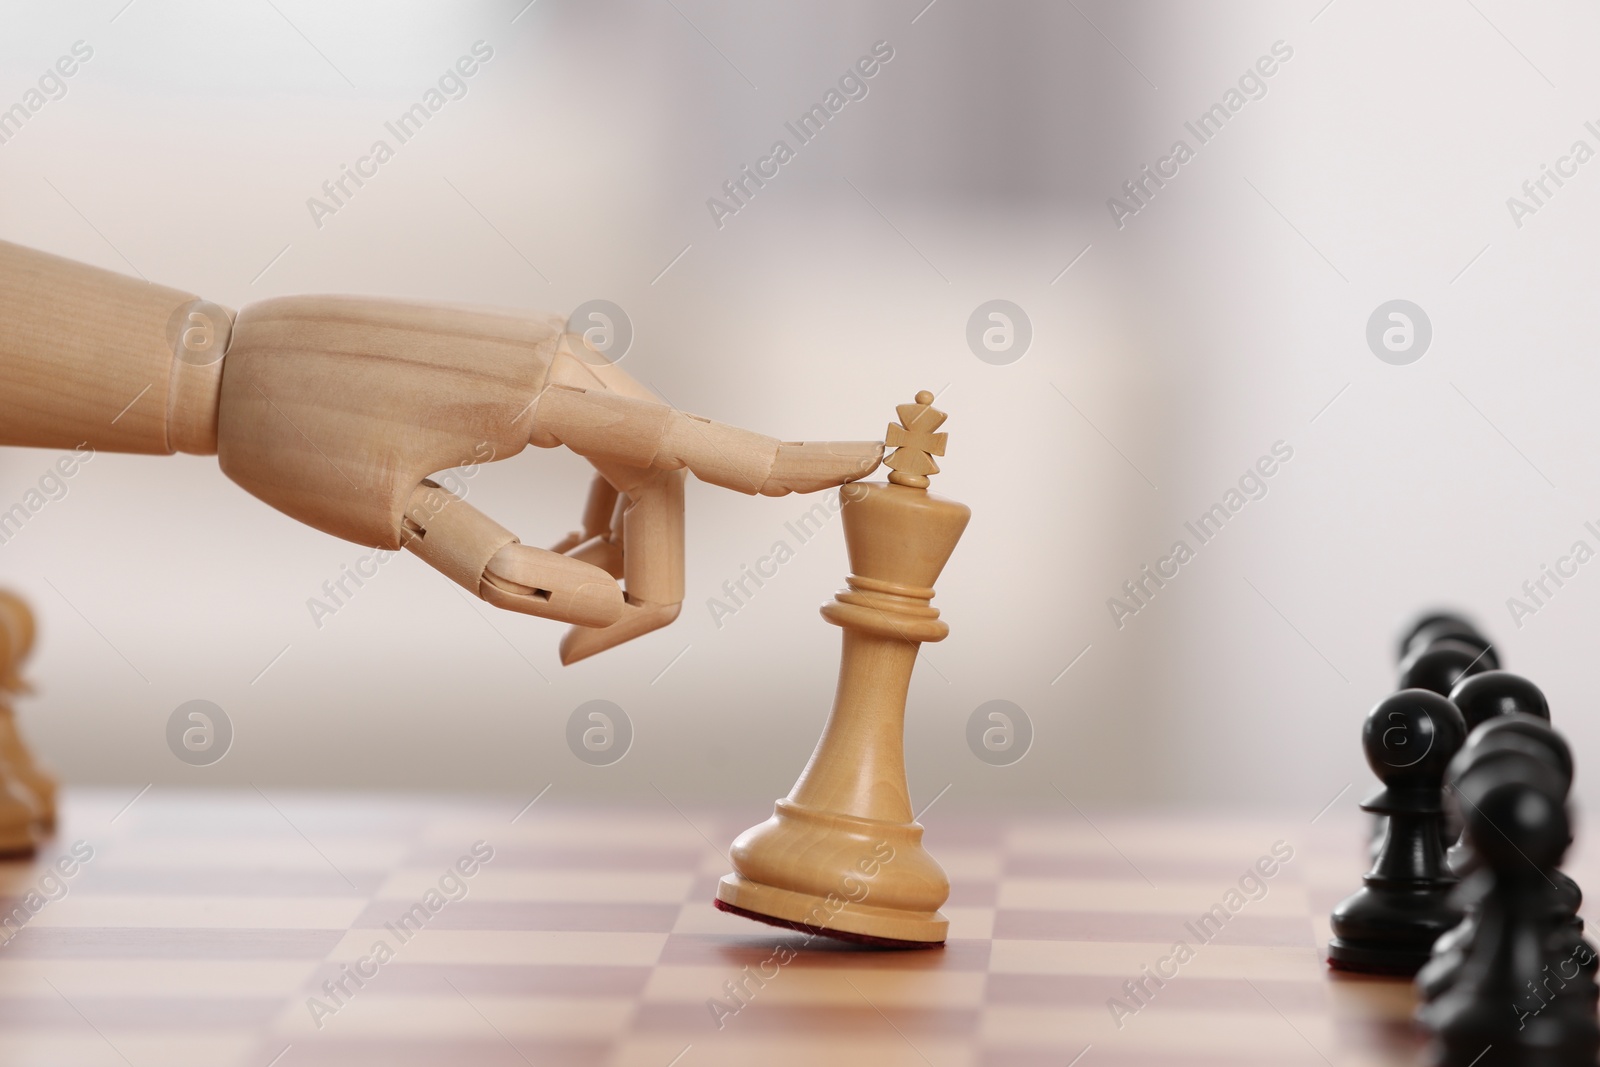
1440 665
1513 736
1455 944
1507 1009
1439 673
1485 696
1493 692
1389 925
1438 626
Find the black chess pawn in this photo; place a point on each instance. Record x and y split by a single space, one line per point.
1533 735
1442 664
1520 737
1463 651
1493 692
1488 695
1507 1009
1389 925
1451 950
1438 626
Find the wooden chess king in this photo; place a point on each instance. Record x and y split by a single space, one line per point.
842 854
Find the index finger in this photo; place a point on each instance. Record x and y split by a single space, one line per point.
606 426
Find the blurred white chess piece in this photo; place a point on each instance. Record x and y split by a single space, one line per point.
27 794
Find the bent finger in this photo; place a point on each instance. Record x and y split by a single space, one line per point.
650 525
488 561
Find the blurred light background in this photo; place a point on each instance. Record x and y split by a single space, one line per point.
1168 354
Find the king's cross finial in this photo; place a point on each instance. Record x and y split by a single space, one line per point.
914 442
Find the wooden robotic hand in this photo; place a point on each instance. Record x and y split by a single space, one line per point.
337 411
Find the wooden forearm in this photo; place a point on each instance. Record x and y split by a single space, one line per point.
87 355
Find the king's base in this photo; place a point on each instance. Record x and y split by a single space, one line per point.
836 917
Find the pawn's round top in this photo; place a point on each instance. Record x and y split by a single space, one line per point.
1522 733
1515 826
1436 626
1409 739
1439 666
1485 696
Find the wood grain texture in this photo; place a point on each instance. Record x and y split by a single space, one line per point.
334 409
91 356
203 923
842 851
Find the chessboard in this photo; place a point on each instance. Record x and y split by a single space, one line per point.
178 927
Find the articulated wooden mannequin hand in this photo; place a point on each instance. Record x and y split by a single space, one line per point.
336 410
